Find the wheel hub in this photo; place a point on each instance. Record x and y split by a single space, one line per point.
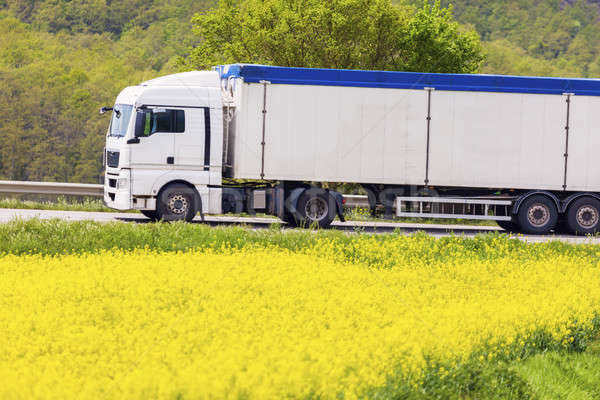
587 216
178 204
316 209
538 214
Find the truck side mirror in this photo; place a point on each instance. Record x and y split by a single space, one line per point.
103 110
141 118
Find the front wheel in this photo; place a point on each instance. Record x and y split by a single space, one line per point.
177 202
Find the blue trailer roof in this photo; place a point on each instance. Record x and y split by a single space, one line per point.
410 80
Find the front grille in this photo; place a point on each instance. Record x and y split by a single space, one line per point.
112 159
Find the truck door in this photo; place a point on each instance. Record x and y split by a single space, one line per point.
156 149
191 145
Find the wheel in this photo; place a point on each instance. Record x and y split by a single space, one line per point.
538 215
149 214
508 226
583 216
177 202
316 208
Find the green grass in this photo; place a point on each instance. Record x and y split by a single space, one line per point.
59 204
58 236
563 375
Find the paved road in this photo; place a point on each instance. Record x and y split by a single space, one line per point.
7 215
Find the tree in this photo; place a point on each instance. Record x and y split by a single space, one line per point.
355 34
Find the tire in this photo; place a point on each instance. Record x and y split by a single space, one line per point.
508 226
583 216
177 202
537 215
149 214
316 207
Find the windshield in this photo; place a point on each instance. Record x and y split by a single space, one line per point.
120 120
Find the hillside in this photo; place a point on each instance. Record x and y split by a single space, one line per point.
61 60
536 37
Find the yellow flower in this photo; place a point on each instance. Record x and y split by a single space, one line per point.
266 323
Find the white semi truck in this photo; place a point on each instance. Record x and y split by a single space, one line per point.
249 138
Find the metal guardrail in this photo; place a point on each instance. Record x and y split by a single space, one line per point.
58 188
85 189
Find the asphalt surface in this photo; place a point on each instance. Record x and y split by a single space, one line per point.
7 215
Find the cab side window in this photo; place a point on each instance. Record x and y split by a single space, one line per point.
161 120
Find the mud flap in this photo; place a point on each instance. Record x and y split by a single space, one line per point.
339 201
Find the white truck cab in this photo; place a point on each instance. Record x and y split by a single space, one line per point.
160 139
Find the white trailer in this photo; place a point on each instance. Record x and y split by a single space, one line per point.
518 150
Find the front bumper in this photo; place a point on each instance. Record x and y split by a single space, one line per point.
117 190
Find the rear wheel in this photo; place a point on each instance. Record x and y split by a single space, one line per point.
177 202
316 207
583 216
537 215
149 214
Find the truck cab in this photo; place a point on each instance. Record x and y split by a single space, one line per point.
164 142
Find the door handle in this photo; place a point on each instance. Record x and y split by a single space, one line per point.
133 141
171 160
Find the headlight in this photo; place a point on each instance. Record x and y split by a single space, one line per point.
122 183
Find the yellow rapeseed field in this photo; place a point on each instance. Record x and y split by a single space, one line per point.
266 323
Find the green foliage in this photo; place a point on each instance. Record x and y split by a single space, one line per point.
535 37
354 34
100 16
50 89
60 61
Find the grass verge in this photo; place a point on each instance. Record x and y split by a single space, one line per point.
562 375
59 237
60 204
